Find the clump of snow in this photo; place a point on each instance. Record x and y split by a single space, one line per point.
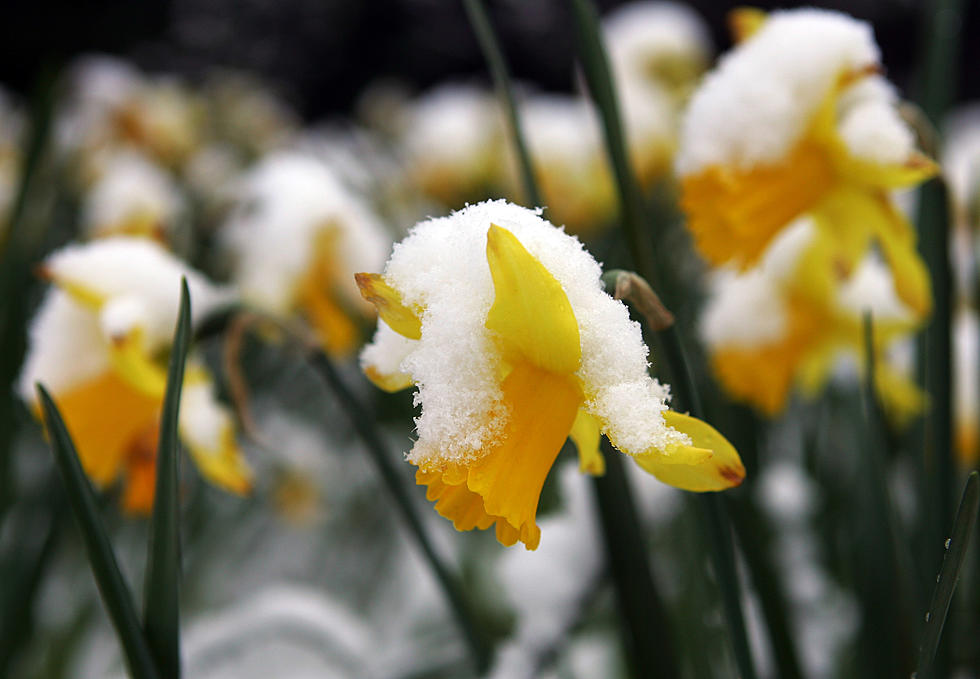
561 130
130 188
641 35
747 309
441 267
758 102
872 288
450 126
284 204
137 283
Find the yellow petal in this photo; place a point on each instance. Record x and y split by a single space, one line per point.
531 313
916 169
542 407
388 302
585 434
710 463
131 363
744 22
901 398
850 213
106 417
390 382
318 298
207 429
141 473
734 214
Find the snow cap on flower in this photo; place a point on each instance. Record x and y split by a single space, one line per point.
663 44
502 323
442 267
783 323
133 282
98 344
285 204
758 102
132 196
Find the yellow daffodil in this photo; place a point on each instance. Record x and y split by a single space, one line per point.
501 322
786 322
657 53
296 237
563 138
99 343
796 121
450 138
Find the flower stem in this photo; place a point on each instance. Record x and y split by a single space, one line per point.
648 632
595 65
943 27
366 425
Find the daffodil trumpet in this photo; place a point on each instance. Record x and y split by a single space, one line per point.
550 357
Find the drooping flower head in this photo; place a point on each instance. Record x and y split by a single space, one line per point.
796 121
296 237
99 343
501 322
785 323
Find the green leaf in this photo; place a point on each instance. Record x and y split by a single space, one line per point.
713 514
949 575
646 628
161 603
112 587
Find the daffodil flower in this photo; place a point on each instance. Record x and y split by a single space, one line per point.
563 137
99 343
296 237
501 321
786 322
795 121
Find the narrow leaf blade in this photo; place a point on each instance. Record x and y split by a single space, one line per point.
115 594
949 575
161 611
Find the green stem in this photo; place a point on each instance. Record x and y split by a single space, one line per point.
20 245
937 90
649 638
883 592
490 47
366 425
595 65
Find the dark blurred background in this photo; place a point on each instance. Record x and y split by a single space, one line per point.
320 54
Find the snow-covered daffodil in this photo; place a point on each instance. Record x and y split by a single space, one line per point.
795 121
786 322
501 321
296 237
99 343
